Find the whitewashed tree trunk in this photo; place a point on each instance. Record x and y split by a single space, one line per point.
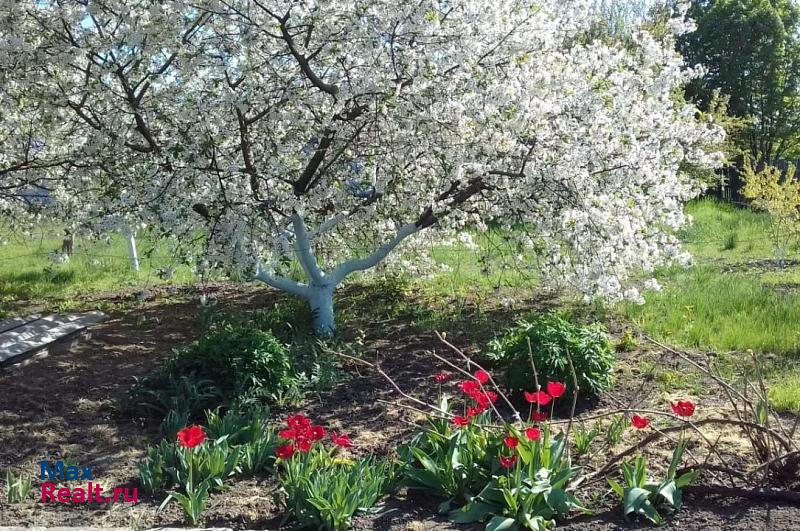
319 290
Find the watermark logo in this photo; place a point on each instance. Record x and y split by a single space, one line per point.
91 492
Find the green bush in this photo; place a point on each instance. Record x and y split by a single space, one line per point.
231 366
550 337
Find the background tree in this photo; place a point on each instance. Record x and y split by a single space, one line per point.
779 194
751 52
262 135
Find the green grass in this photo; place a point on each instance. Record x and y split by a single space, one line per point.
734 298
726 233
495 264
784 392
708 308
28 274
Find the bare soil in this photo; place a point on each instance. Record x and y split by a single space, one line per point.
69 405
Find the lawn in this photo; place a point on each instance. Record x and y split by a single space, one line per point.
28 275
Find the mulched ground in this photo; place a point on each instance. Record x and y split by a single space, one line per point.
67 405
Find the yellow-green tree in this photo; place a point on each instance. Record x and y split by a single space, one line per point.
779 194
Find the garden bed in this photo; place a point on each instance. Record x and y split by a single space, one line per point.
68 406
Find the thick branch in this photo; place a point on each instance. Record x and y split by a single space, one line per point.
301 185
281 283
302 248
244 146
372 260
457 196
304 64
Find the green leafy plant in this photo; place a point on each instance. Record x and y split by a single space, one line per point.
198 469
449 463
167 465
192 501
17 487
157 469
551 337
173 422
526 492
321 489
239 441
615 429
161 392
628 342
236 364
324 492
643 497
583 438
249 432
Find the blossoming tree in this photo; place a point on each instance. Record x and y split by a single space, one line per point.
325 133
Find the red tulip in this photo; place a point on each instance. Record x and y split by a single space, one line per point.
287 434
508 462
539 397
538 417
474 411
341 440
191 436
317 433
470 388
284 452
482 376
298 421
533 434
683 408
511 442
639 423
441 377
460 421
556 389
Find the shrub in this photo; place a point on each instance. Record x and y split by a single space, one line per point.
550 337
290 320
778 194
231 366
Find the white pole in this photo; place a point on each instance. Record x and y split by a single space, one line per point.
132 249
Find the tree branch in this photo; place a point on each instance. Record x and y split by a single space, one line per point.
302 248
302 60
281 283
361 264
